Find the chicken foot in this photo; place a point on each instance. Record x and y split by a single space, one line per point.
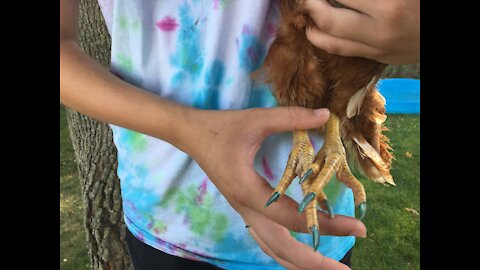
315 173
300 159
329 160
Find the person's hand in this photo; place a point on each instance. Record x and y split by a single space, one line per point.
384 30
224 144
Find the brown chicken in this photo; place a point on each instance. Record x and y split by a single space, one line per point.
304 75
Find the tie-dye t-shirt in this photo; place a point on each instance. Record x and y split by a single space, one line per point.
199 53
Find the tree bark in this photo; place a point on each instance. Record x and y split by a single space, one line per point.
97 159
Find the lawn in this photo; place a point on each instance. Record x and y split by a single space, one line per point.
393 218
73 244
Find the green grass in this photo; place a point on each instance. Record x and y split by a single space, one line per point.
73 244
393 240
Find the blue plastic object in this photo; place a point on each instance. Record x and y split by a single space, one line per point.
402 95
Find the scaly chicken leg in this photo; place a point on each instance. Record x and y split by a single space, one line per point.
316 173
329 160
299 160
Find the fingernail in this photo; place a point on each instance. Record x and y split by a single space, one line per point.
362 235
360 232
322 111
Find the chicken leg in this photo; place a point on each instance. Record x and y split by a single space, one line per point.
329 160
299 161
316 173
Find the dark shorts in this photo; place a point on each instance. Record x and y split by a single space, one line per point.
145 257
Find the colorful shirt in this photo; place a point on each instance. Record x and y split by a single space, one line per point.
199 53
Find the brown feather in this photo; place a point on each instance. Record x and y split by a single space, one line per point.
304 75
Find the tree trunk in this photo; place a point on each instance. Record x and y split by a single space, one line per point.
97 159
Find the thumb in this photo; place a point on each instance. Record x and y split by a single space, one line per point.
282 119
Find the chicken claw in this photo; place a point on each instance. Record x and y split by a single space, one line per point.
300 158
329 160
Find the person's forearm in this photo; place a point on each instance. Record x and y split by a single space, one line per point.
88 88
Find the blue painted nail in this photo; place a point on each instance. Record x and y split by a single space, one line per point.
315 237
305 176
363 210
310 196
273 198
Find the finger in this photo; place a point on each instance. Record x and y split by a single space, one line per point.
291 118
365 7
340 225
341 22
286 247
250 190
338 46
283 211
269 252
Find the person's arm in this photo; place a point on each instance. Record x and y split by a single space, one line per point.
384 30
223 143
87 87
